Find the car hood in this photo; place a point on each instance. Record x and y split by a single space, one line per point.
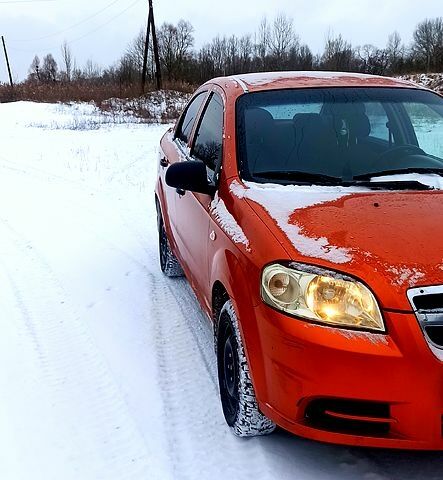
391 240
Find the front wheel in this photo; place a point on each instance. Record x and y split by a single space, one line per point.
237 394
169 264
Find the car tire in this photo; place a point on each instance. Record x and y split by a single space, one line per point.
169 264
237 394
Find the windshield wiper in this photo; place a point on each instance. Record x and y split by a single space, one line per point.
391 185
310 178
397 171
300 176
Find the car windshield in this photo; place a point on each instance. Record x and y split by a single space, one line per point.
327 135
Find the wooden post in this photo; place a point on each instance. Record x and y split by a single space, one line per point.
7 62
145 56
158 73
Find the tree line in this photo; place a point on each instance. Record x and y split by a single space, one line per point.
275 45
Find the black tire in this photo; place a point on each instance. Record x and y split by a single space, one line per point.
169 264
237 393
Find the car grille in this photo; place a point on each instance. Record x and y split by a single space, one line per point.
427 303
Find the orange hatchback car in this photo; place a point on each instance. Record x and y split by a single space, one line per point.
305 209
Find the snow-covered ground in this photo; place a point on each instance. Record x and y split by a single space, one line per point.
107 370
433 81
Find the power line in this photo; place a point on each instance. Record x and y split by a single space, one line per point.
106 23
81 22
26 1
82 36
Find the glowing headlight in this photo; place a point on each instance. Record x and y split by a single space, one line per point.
323 297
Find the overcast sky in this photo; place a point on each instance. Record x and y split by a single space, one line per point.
101 29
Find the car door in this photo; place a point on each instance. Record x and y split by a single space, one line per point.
193 209
175 148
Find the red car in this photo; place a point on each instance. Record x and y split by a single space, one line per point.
305 209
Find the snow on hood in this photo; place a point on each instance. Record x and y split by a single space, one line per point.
280 201
405 275
431 180
394 236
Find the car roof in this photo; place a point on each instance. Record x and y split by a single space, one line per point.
252 82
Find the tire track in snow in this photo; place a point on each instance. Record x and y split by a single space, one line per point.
195 423
104 440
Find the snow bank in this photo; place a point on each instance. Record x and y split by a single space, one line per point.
434 81
63 116
158 107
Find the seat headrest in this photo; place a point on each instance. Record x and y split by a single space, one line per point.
313 129
360 125
354 114
343 109
259 123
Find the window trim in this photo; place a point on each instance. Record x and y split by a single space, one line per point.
214 173
241 164
196 120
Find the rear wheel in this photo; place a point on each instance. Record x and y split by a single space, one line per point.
237 393
169 264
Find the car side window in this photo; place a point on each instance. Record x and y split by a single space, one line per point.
428 127
208 143
188 118
378 120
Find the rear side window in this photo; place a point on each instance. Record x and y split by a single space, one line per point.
188 119
428 127
209 138
288 111
378 120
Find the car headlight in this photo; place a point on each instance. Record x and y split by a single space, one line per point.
321 296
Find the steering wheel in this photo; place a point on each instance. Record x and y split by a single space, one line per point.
406 149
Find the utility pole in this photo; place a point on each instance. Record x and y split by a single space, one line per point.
151 28
145 57
7 62
158 73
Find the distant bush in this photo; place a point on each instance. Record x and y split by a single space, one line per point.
79 91
162 107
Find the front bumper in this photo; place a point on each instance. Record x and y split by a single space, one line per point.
295 364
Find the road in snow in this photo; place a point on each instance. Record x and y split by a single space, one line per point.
106 367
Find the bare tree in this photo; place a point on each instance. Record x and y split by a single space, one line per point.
338 53
49 70
283 37
219 54
373 60
232 55
92 70
175 43
34 69
300 58
263 39
67 60
245 52
428 42
185 41
136 49
395 51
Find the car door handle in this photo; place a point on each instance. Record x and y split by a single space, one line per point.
164 162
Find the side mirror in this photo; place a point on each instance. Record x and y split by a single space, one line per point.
189 176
